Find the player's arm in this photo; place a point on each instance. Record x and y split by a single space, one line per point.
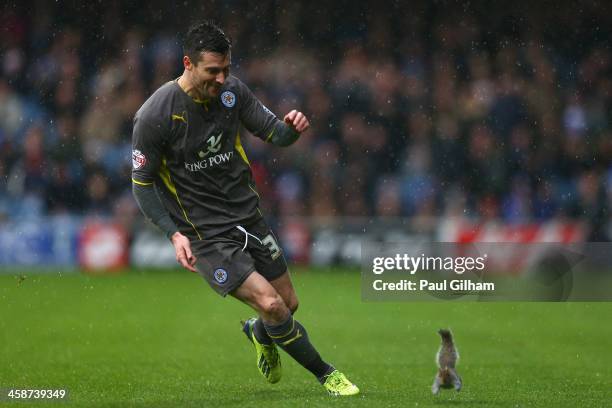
152 208
146 158
264 124
154 211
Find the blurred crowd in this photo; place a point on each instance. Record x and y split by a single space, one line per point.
416 110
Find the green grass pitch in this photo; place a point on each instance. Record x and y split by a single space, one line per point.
164 339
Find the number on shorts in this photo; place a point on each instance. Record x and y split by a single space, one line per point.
270 242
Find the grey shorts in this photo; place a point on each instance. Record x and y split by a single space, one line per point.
225 263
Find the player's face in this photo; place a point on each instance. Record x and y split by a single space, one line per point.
210 73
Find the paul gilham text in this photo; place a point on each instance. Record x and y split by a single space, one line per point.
462 285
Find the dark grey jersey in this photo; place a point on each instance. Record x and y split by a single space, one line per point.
191 152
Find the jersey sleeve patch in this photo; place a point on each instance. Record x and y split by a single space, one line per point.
138 159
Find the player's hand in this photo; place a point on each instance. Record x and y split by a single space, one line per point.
184 256
297 120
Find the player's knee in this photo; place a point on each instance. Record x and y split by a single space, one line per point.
272 306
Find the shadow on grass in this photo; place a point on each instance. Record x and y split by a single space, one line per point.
269 396
276 399
301 396
468 403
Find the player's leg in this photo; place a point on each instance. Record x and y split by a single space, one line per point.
334 381
225 266
255 330
288 333
278 322
258 293
284 287
270 262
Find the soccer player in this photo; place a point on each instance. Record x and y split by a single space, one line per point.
191 178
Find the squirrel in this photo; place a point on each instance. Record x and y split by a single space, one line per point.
446 358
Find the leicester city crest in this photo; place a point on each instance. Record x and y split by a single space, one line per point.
228 98
220 275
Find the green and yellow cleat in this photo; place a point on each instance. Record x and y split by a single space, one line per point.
337 384
268 359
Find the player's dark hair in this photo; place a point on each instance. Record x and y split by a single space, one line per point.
205 36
